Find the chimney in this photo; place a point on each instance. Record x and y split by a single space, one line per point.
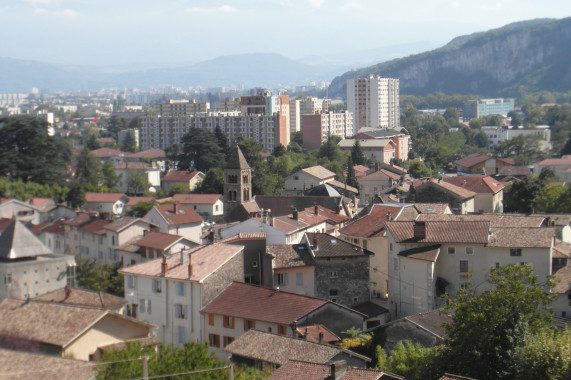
295 214
211 236
189 266
164 266
305 334
338 209
314 241
338 369
316 210
174 208
320 337
182 260
419 230
67 292
377 166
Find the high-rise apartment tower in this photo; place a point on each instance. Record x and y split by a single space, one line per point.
374 102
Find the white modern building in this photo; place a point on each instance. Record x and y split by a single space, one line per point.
374 101
497 135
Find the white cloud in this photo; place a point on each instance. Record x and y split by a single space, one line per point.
316 3
220 9
353 4
65 12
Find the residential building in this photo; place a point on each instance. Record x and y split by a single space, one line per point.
399 136
560 166
294 116
164 131
374 102
279 205
257 259
22 211
498 135
176 219
72 236
318 127
298 182
208 206
114 156
27 267
170 291
562 277
66 330
52 234
93 242
313 106
323 266
84 298
181 107
260 349
489 192
151 246
105 203
430 258
120 233
241 307
380 150
189 180
485 107
461 200
156 157
127 170
477 163
374 183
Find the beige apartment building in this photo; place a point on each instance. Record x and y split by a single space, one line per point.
374 101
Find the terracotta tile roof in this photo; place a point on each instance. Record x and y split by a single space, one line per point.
132 201
522 237
324 212
477 184
149 153
311 334
83 297
251 207
17 365
96 227
373 224
557 219
432 208
370 309
5 223
343 186
244 236
393 168
38 228
555 161
279 349
441 232
197 199
381 175
561 249
205 261
107 152
179 176
49 323
563 280
40 202
448 376
288 256
319 172
297 369
360 169
121 223
178 214
426 253
105 140
459 191
513 170
158 240
431 321
262 304
281 205
494 219
331 246
136 166
103 197
473 159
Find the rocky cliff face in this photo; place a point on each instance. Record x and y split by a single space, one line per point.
533 54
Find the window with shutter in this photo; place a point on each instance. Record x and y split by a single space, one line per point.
211 319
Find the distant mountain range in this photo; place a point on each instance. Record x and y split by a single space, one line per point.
534 55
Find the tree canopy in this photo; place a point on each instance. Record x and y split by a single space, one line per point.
200 151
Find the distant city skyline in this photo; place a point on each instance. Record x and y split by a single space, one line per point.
108 32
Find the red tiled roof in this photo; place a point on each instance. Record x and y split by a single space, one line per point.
205 260
83 297
473 159
311 333
179 176
331 246
39 202
373 224
158 240
563 279
431 321
80 219
262 304
297 369
427 253
522 237
441 232
103 197
176 214
381 175
432 208
494 219
197 199
149 153
477 184
107 152
459 191
319 172
132 201
96 227
343 186
555 161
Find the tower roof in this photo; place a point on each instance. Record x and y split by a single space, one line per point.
17 241
238 161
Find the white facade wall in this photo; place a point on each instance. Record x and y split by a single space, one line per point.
301 181
374 101
106 207
300 280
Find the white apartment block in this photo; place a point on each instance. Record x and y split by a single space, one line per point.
374 101
313 105
163 131
497 135
317 127
294 116
181 108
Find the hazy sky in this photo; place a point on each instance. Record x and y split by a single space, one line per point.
123 31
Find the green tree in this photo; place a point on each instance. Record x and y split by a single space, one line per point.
410 360
516 120
173 154
418 169
487 331
137 183
178 188
130 142
110 178
28 152
140 209
104 278
213 183
297 137
279 150
520 196
222 140
351 178
357 154
545 355
200 151
553 199
88 171
76 195
330 150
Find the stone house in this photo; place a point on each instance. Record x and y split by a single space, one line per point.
461 201
489 192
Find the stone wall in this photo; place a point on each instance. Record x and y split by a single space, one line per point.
348 275
233 270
